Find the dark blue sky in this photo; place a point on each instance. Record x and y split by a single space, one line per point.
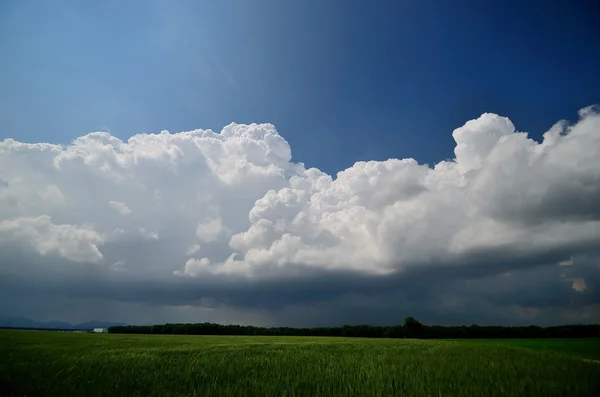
342 80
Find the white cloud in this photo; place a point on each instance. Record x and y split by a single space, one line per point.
118 266
52 193
568 262
209 231
578 284
257 214
76 243
120 207
194 267
149 234
194 248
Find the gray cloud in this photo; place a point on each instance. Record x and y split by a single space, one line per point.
204 226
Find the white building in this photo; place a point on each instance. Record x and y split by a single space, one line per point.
101 330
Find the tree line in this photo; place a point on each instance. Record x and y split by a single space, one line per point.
410 329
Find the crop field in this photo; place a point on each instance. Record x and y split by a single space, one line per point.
37 363
584 348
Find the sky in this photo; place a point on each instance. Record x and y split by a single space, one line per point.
300 163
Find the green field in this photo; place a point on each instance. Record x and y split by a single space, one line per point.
69 364
584 348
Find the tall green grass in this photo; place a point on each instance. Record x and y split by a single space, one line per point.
584 348
68 364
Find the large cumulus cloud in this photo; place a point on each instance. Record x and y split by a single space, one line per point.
228 218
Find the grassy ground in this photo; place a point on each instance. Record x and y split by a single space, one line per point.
67 364
584 348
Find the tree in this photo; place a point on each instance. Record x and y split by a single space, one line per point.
412 328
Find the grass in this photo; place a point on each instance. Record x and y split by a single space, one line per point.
69 364
584 348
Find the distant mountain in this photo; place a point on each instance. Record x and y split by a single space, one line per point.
23 322
97 324
57 325
18 322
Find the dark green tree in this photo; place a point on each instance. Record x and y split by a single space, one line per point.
413 328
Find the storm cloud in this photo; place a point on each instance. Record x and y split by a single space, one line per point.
226 227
